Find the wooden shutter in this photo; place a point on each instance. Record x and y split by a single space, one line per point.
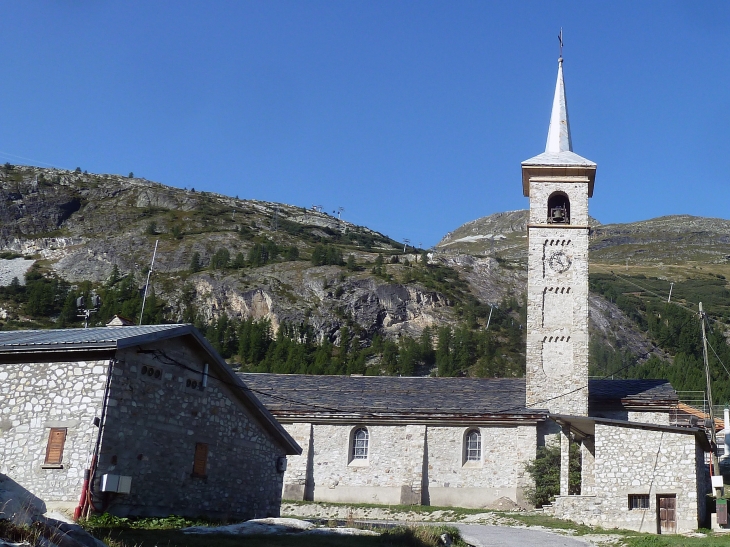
54 449
201 459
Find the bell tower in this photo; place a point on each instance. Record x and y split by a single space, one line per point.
558 183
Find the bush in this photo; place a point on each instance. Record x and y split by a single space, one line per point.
545 471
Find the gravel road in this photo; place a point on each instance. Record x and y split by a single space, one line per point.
506 536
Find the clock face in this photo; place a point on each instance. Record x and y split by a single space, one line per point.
559 262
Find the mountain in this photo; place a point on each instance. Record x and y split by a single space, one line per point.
282 288
223 261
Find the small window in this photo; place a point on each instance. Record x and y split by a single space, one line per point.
54 449
638 501
473 446
200 461
360 444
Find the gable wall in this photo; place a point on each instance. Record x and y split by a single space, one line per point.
636 461
152 430
35 397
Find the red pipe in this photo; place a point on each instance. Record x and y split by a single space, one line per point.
82 502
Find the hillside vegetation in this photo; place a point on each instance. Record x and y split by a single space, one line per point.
282 288
273 286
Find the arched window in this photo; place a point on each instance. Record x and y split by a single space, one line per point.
558 208
360 440
473 446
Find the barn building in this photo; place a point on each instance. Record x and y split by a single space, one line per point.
154 414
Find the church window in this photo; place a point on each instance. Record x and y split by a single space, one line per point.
473 446
558 208
360 439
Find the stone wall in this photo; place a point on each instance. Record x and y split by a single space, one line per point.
637 461
152 428
409 464
34 397
657 418
557 320
501 473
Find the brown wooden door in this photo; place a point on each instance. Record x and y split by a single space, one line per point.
667 507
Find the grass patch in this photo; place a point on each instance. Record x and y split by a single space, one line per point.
678 541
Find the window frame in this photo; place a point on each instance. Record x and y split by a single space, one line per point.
356 446
466 449
639 502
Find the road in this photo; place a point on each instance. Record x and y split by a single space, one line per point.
505 536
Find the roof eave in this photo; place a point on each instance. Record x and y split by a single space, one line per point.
535 170
251 402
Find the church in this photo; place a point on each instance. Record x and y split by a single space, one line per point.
465 441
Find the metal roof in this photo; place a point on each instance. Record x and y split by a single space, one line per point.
92 338
559 145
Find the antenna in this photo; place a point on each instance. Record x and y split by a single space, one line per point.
85 312
146 286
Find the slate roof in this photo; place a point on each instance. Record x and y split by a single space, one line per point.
631 391
285 394
293 394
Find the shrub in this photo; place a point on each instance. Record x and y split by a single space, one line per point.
545 471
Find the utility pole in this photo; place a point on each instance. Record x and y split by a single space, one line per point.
147 285
489 319
405 244
713 436
671 284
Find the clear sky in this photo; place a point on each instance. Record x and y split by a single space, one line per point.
412 115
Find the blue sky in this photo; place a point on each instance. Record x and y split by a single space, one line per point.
413 116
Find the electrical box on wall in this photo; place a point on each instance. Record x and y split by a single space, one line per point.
121 484
281 464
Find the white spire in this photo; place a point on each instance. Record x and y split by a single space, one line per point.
558 139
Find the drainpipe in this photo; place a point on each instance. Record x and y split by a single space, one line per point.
85 501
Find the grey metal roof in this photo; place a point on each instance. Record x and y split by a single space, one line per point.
299 394
97 337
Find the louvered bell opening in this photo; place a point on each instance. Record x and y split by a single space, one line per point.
54 450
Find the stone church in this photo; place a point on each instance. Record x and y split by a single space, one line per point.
465 442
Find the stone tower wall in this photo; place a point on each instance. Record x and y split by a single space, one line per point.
557 302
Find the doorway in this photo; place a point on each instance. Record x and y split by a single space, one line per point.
667 513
